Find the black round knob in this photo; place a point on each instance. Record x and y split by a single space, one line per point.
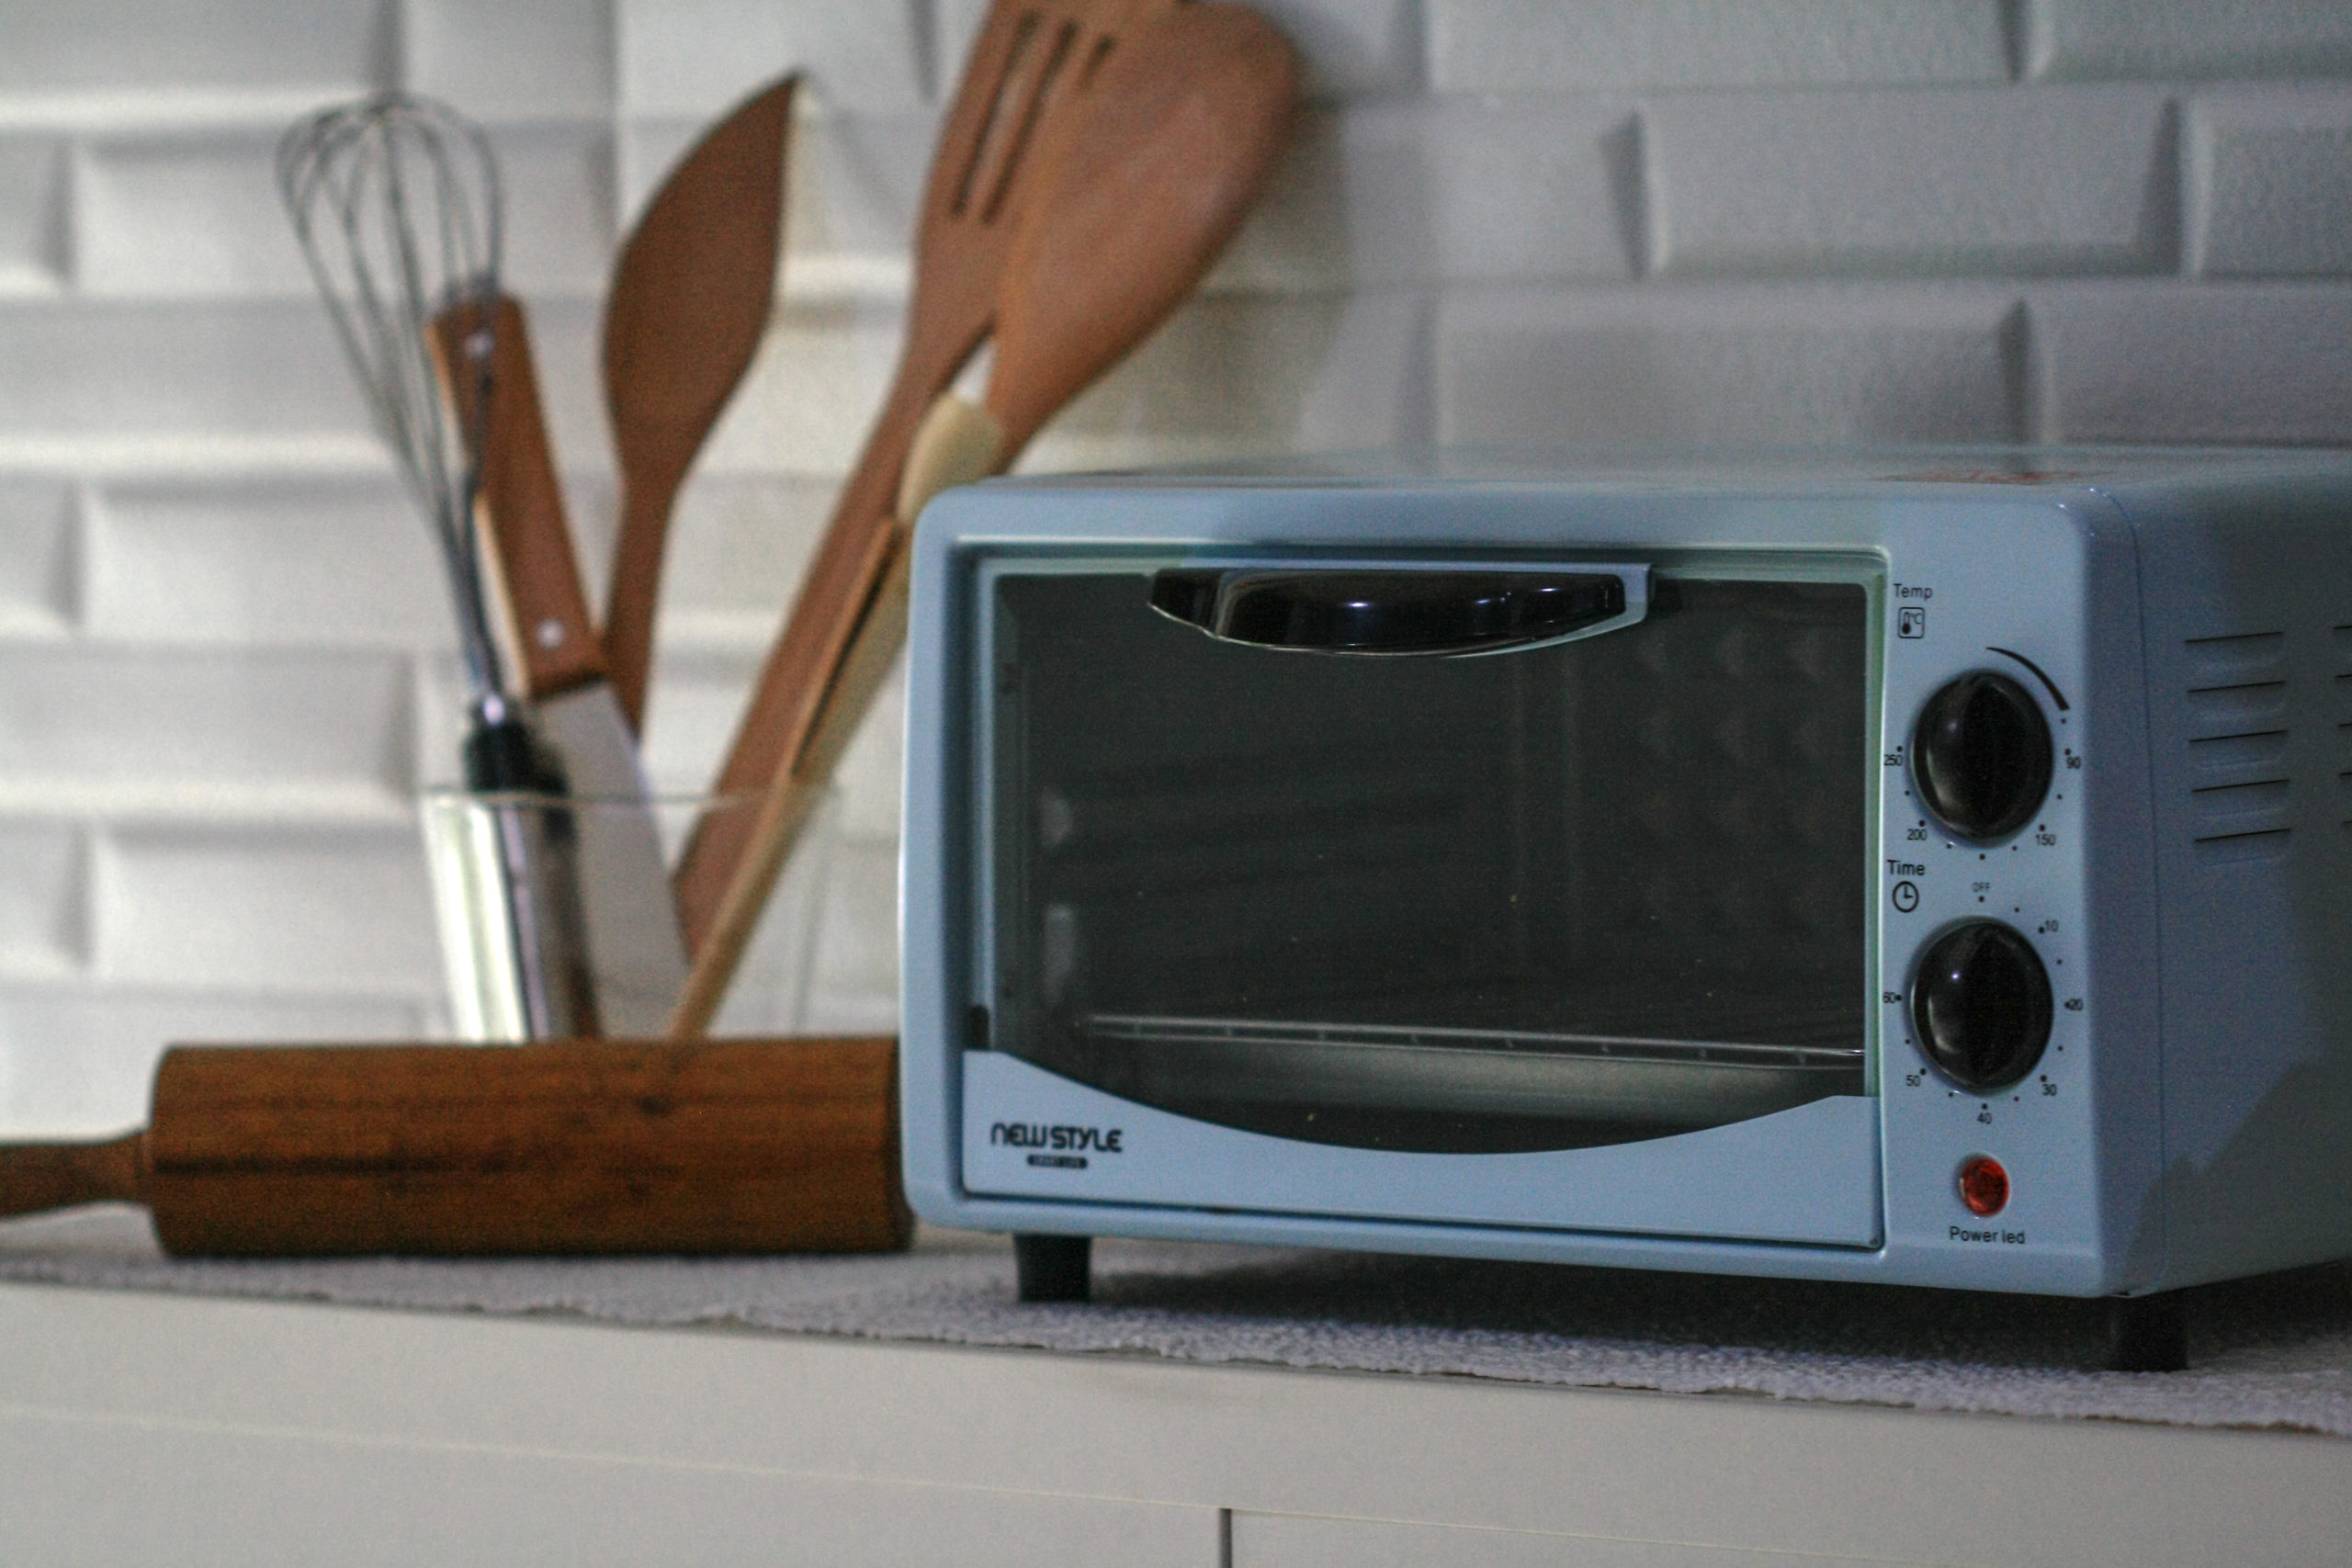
1980 1005
1981 756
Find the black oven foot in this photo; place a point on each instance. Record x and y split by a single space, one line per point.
2147 1333
1053 1267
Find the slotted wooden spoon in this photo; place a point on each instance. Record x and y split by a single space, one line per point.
689 304
1031 65
1133 200
1150 186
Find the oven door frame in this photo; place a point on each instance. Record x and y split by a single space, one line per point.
1807 1176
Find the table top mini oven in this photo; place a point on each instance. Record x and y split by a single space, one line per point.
1919 867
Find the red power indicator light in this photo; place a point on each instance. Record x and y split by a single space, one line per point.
1984 1186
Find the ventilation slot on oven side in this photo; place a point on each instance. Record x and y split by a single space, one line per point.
2239 783
2343 684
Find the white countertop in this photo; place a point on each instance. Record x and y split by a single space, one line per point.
1216 1406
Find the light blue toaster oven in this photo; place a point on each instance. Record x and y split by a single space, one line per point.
1922 867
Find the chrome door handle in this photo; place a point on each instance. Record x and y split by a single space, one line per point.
1398 611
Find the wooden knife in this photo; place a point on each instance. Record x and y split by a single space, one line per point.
635 949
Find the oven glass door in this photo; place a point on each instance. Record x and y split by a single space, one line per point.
1378 858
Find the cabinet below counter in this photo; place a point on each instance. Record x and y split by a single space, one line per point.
145 1427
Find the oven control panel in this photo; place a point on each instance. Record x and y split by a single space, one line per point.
1985 1020
1980 765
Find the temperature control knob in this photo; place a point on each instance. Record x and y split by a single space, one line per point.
1980 755
1980 1005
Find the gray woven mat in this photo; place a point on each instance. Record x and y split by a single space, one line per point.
2274 1352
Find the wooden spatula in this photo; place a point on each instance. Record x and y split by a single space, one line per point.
579 1147
1132 199
1031 65
691 297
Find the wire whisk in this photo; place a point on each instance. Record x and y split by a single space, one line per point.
396 201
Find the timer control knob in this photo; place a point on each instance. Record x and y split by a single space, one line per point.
1980 1005
1981 756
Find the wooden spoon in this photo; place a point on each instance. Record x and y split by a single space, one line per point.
690 302
1135 200
1031 66
742 1145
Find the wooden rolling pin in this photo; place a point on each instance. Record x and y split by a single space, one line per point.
571 1146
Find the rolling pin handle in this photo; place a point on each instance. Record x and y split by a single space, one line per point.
39 1176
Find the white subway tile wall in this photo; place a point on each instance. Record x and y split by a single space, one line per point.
225 662
2270 184
1544 45
95 52
1912 181
32 213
